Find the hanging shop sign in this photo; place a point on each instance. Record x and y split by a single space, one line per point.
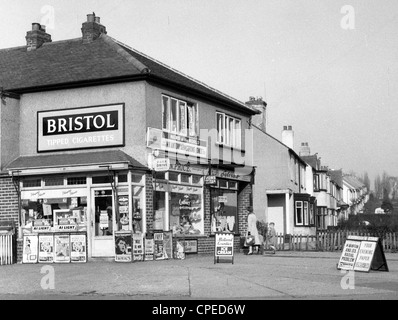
62 248
363 254
210 180
123 246
30 249
161 164
46 248
224 246
80 128
222 199
138 247
78 248
171 142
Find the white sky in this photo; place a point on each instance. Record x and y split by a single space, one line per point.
337 87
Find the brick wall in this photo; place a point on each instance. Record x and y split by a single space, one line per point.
8 201
149 202
244 200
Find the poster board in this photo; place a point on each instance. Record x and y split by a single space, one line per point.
363 254
62 248
46 248
123 246
30 249
224 246
160 252
149 249
138 247
168 243
78 248
179 252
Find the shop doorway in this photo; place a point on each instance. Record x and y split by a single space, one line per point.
103 222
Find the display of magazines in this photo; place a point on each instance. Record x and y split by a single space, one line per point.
62 248
46 248
78 248
30 249
138 247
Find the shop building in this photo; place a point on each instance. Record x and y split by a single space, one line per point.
98 138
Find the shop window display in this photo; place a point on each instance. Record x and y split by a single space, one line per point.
186 214
225 212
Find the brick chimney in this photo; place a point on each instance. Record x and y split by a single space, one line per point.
92 28
36 37
305 149
259 120
288 136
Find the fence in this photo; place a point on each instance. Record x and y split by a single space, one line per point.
6 248
330 241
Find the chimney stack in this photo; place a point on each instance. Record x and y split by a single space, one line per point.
259 120
288 136
92 28
305 149
37 36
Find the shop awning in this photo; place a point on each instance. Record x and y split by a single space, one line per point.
73 162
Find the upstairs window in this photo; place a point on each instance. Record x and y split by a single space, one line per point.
228 130
179 116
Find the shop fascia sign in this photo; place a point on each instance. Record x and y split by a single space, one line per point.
161 164
171 142
80 128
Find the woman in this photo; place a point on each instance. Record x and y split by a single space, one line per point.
252 228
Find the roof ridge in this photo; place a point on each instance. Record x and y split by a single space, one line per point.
114 44
183 74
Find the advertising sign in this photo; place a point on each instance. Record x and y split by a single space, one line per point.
149 249
123 246
78 248
30 249
62 248
191 246
210 180
168 243
224 246
179 250
363 254
78 128
161 164
46 248
138 247
160 252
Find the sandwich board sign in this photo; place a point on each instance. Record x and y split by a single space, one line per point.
224 246
363 254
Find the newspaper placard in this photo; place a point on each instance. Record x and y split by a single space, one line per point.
30 249
46 248
62 248
138 247
149 249
349 255
78 248
123 246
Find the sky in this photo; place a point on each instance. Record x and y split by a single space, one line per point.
328 68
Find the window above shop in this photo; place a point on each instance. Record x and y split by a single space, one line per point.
229 130
31 183
180 117
226 184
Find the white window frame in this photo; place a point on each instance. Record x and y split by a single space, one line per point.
299 205
229 130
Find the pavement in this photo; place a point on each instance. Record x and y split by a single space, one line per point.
287 275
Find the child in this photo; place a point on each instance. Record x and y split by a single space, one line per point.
271 235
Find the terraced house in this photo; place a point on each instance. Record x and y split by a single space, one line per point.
98 138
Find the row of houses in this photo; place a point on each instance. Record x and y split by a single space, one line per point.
98 138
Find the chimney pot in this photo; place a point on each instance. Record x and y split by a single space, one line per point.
97 19
35 26
37 36
91 17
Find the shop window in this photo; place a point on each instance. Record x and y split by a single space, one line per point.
225 211
196 179
101 179
233 185
53 181
76 180
229 130
222 183
160 175
159 211
179 116
299 213
29 183
121 178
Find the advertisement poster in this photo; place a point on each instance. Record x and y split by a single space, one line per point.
179 252
224 245
365 256
138 247
62 248
149 249
160 252
123 246
46 248
168 243
78 248
349 255
30 248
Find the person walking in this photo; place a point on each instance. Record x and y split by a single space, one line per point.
271 237
252 228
